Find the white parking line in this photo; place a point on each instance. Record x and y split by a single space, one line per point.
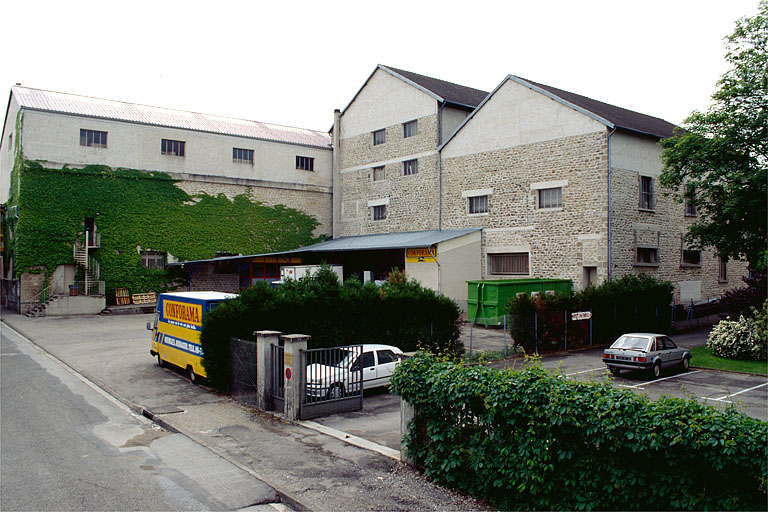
586 371
723 398
658 380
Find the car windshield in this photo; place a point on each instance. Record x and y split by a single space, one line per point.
346 357
631 343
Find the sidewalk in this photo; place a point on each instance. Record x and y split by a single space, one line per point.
310 470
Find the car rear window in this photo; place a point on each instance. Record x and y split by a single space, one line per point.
631 342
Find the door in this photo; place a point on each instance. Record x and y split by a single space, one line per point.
385 367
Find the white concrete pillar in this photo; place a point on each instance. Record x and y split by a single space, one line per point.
294 375
264 342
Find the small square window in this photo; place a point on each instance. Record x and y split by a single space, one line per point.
379 137
551 197
646 193
379 212
647 256
510 263
172 147
244 156
305 163
477 204
691 257
153 259
93 138
410 128
410 167
378 173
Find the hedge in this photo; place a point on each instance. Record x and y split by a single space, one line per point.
401 313
532 440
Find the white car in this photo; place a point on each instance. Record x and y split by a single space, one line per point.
373 365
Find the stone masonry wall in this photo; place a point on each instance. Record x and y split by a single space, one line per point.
663 228
205 279
560 241
313 201
412 200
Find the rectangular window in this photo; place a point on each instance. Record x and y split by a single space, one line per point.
511 263
647 256
551 197
242 155
379 212
378 173
379 137
691 257
477 204
410 167
152 259
410 128
722 270
690 202
305 163
646 193
93 138
172 147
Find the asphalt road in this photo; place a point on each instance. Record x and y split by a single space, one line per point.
67 445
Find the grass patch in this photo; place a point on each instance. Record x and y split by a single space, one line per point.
702 356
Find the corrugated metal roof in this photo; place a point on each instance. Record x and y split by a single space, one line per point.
38 99
360 243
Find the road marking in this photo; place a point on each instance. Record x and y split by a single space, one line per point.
717 399
658 380
723 398
585 371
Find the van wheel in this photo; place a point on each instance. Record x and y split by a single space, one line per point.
160 361
191 373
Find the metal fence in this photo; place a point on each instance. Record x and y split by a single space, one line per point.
334 380
242 361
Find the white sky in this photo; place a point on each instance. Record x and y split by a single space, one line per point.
293 62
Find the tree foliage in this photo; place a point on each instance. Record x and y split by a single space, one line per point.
723 153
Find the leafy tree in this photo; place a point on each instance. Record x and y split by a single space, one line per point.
722 155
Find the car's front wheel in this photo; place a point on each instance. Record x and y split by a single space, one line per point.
656 370
336 392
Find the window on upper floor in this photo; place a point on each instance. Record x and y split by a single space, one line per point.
508 263
378 173
152 259
690 202
241 155
691 257
477 205
647 256
93 138
550 197
379 137
646 193
305 163
410 167
410 128
172 147
722 269
379 212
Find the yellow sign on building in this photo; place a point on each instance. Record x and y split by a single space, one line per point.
420 254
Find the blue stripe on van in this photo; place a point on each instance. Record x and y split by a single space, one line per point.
183 345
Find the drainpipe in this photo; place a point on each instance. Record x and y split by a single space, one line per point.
336 176
429 249
610 166
439 173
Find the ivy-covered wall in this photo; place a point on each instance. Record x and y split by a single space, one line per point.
135 210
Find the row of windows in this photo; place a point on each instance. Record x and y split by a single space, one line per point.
410 167
410 129
98 139
647 201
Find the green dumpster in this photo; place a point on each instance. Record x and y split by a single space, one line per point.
486 299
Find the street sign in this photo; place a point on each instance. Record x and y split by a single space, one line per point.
288 373
581 315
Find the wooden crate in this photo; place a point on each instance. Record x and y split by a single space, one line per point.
144 298
122 296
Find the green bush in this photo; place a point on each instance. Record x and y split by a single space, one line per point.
743 339
531 440
401 313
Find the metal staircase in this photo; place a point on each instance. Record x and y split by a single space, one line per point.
88 241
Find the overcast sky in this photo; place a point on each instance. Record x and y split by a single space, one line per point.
293 62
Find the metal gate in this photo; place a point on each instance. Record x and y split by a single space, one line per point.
334 381
277 385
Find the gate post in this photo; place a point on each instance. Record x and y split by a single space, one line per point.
295 375
264 342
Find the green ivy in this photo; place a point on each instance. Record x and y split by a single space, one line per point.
138 209
533 440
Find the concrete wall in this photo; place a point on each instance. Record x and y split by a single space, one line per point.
56 138
7 153
460 261
451 119
62 277
78 305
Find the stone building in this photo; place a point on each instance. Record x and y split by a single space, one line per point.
562 186
268 163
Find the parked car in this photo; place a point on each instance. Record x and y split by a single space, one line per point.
644 351
373 365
